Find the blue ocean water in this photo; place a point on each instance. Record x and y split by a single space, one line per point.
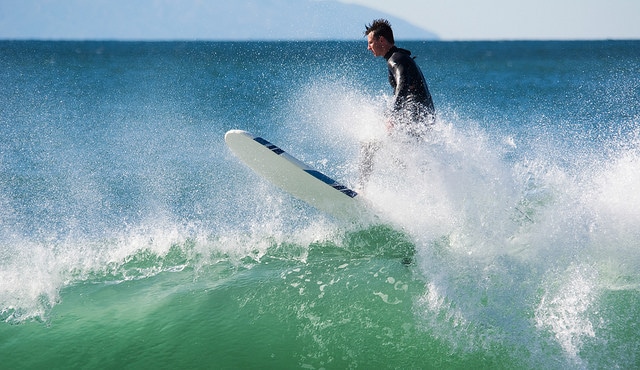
131 237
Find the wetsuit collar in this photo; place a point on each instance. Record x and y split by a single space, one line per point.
395 49
390 52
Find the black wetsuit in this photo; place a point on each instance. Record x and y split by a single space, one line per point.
412 102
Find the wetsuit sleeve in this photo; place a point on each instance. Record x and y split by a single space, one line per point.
399 75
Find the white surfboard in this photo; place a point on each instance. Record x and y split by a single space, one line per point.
295 177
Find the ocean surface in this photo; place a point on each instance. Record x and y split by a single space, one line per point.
131 237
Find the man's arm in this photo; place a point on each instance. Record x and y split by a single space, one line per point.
401 89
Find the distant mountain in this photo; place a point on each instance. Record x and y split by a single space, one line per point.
193 20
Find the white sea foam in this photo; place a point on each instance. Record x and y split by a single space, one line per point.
494 226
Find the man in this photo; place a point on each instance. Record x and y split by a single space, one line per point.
412 110
412 107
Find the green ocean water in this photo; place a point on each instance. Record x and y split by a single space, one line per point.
130 237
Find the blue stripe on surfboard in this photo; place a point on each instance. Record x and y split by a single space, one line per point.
269 146
331 182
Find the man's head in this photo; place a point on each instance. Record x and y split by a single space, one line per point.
379 37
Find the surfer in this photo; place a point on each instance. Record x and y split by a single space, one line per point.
412 107
412 110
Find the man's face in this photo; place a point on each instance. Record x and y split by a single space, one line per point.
378 46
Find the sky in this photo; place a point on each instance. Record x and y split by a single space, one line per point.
448 20
192 20
517 19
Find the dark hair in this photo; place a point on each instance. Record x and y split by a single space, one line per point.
380 27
